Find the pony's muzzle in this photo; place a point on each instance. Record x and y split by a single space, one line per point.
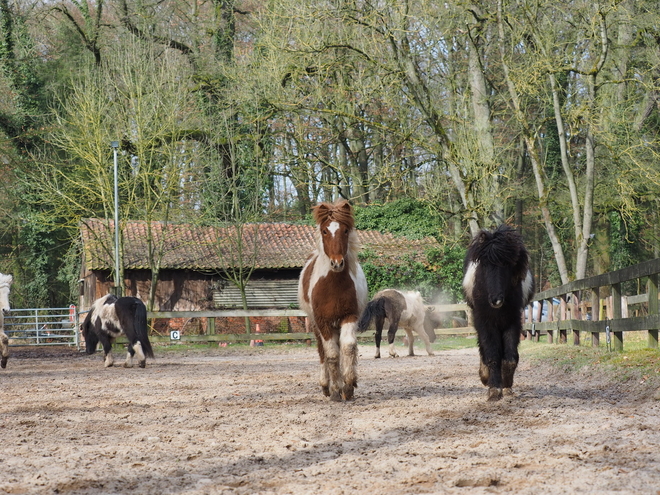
496 302
5 311
337 265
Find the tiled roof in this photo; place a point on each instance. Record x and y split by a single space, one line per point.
186 246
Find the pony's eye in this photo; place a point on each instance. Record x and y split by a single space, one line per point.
346 231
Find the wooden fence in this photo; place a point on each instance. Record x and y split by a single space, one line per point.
211 336
596 306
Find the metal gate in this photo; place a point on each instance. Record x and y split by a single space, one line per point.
43 326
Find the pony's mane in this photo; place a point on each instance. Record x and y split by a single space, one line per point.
340 211
502 247
5 280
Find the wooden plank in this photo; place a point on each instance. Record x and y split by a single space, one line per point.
226 313
630 273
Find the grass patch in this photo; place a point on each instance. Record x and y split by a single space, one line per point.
635 362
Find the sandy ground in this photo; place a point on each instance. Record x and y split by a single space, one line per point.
255 422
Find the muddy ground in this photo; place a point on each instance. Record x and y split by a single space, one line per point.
254 421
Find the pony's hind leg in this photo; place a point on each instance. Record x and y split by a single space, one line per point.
379 321
4 349
348 359
135 350
391 334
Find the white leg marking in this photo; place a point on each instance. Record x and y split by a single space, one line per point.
348 350
109 360
129 360
331 349
393 351
139 353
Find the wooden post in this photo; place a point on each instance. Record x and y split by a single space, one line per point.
595 314
211 326
652 291
562 316
576 315
616 315
551 317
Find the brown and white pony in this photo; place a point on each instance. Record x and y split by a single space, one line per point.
332 290
405 308
5 285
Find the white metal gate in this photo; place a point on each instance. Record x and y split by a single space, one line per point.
43 326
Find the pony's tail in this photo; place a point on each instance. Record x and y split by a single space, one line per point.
91 339
374 308
141 330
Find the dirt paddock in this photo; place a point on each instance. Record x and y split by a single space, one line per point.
255 421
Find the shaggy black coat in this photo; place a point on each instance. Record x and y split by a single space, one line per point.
110 317
498 284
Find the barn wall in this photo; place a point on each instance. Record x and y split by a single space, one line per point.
179 290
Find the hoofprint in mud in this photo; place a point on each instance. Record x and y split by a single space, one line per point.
252 421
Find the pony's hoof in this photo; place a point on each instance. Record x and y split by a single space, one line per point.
326 391
142 364
127 365
494 394
507 391
3 362
347 393
377 356
335 397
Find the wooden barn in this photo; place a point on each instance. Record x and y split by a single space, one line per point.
192 259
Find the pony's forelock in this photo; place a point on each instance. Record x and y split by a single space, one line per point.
340 211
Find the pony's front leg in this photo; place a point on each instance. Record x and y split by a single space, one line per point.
106 341
411 341
427 342
348 357
4 349
324 378
490 365
509 359
330 368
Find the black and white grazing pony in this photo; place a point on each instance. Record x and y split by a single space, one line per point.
108 318
498 284
5 285
405 308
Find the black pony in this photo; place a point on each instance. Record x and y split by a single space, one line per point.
108 318
498 284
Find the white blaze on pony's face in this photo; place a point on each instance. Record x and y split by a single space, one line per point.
5 284
335 244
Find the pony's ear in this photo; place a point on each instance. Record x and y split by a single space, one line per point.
346 208
320 212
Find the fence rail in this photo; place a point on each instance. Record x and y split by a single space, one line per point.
596 306
42 326
212 336
59 326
